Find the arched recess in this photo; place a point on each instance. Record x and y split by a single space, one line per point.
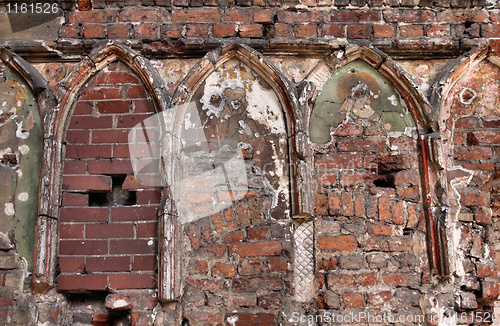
24 133
234 99
419 111
51 181
469 120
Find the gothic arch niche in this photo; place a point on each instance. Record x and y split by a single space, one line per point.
370 155
26 101
469 123
99 89
233 150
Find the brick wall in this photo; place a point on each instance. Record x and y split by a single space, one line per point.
108 231
436 27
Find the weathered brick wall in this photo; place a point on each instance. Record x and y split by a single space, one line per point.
109 223
169 27
471 124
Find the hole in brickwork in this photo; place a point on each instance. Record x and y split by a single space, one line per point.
120 196
98 198
385 182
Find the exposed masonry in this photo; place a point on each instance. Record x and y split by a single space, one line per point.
392 210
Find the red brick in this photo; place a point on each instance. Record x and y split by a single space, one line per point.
147 230
101 93
132 246
254 30
71 231
347 207
301 16
364 16
379 230
133 281
144 263
475 199
351 279
93 31
141 15
321 203
354 178
142 106
408 16
77 136
86 182
225 270
88 151
109 230
74 199
70 31
206 285
205 15
334 203
491 31
172 30
358 31
83 247
148 197
198 30
134 213
282 30
244 318
110 136
333 30
149 31
75 167
352 299
258 232
116 78
348 130
226 30
238 15
439 31
378 298
306 30
490 291
110 167
384 209
255 249
327 179
396 279
83 214
245 300
113 107
276 264
384 31
107 264
411 30
81 282
119 31
359 144
83 108
338 243
236 236
71 264
263 16
94 16
90 122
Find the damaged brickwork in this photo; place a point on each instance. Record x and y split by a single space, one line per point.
251 163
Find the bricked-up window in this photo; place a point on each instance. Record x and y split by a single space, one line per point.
108 231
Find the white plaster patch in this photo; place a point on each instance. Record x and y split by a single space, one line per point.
120 304
24 149
393 100
23 196
232 320
9 209
20 133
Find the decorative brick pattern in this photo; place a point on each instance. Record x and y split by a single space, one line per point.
108 232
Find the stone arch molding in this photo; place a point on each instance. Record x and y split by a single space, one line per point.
45 102
466 100
301 221
420 110
55 125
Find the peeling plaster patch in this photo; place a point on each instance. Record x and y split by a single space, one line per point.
232 320
24 149
23 196
9 209
120 304
20 133
467 95
150 242
393 100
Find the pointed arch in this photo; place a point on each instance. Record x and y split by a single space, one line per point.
263 67
466 97
45 104
67 94
420 111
